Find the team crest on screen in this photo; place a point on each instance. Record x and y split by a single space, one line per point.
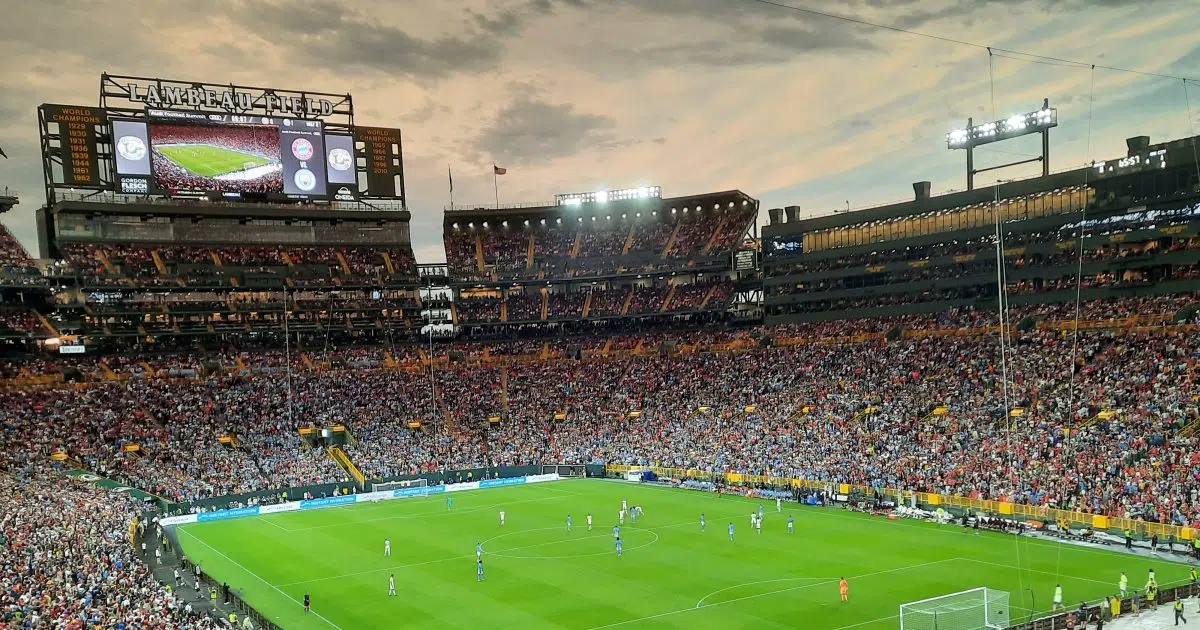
305 180
303 150
131 148
340 160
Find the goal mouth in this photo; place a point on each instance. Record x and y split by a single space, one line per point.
975 609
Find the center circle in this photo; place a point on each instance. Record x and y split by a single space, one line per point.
556 543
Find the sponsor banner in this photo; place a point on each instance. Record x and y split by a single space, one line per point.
278 507
221 515
496 483
309 504
419 491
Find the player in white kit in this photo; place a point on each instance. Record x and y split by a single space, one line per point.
387 548
589 522
501 518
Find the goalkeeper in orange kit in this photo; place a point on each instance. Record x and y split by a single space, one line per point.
844 589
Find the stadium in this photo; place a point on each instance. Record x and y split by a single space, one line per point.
233 398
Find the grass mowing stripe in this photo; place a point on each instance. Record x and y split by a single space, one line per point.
256 576
698 605
750 582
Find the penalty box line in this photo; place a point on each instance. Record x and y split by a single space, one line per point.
700 605
259 578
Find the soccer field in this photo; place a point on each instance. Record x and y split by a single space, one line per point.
672 575
209 161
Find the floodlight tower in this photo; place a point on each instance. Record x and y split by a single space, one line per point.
1014 126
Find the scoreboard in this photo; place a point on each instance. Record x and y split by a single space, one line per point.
381 149
158 137
79 130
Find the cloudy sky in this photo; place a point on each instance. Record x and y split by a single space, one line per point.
692 95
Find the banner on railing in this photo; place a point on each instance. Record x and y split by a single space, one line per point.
366 497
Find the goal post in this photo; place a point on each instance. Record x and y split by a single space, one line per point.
976 609
396 485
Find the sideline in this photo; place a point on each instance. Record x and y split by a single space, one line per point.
260 579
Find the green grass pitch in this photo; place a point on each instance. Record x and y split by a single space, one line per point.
209 161
672 575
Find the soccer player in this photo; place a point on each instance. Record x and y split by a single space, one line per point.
307 603
568 522
479 551
778 504
702 523
392 585
1058 599
1124 585
501 518
753 518
844 590
758 525
731 530
791 524
633 514
624 505
479 577
589 522
449 502
387 548
616 531
620 548
760 510
621 516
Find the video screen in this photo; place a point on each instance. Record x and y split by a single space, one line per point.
221 153
222 159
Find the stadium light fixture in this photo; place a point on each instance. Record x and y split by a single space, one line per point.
604 196
1011 127
1040 122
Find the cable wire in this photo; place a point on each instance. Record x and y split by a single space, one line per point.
950 40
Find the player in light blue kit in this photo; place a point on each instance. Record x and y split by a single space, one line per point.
568 522
479 571
731 530
620 548
479 551
760 511
791 524
702 523
616 532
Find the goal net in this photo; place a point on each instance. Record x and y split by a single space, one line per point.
395 485
976 609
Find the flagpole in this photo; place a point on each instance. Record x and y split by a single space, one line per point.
450 175
496 185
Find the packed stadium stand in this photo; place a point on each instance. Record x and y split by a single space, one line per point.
602 264
216 354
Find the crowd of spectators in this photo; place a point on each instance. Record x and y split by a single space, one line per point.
12 253
69 562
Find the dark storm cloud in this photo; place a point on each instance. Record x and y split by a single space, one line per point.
530 131
333 36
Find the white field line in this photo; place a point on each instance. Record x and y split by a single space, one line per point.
700 605
466 556
256 576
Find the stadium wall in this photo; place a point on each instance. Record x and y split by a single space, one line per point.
1002 508
327 489
314 504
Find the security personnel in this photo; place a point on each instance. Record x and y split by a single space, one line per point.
233 619
1179 612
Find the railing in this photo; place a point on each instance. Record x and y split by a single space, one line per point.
139 200
483 208
1004 508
